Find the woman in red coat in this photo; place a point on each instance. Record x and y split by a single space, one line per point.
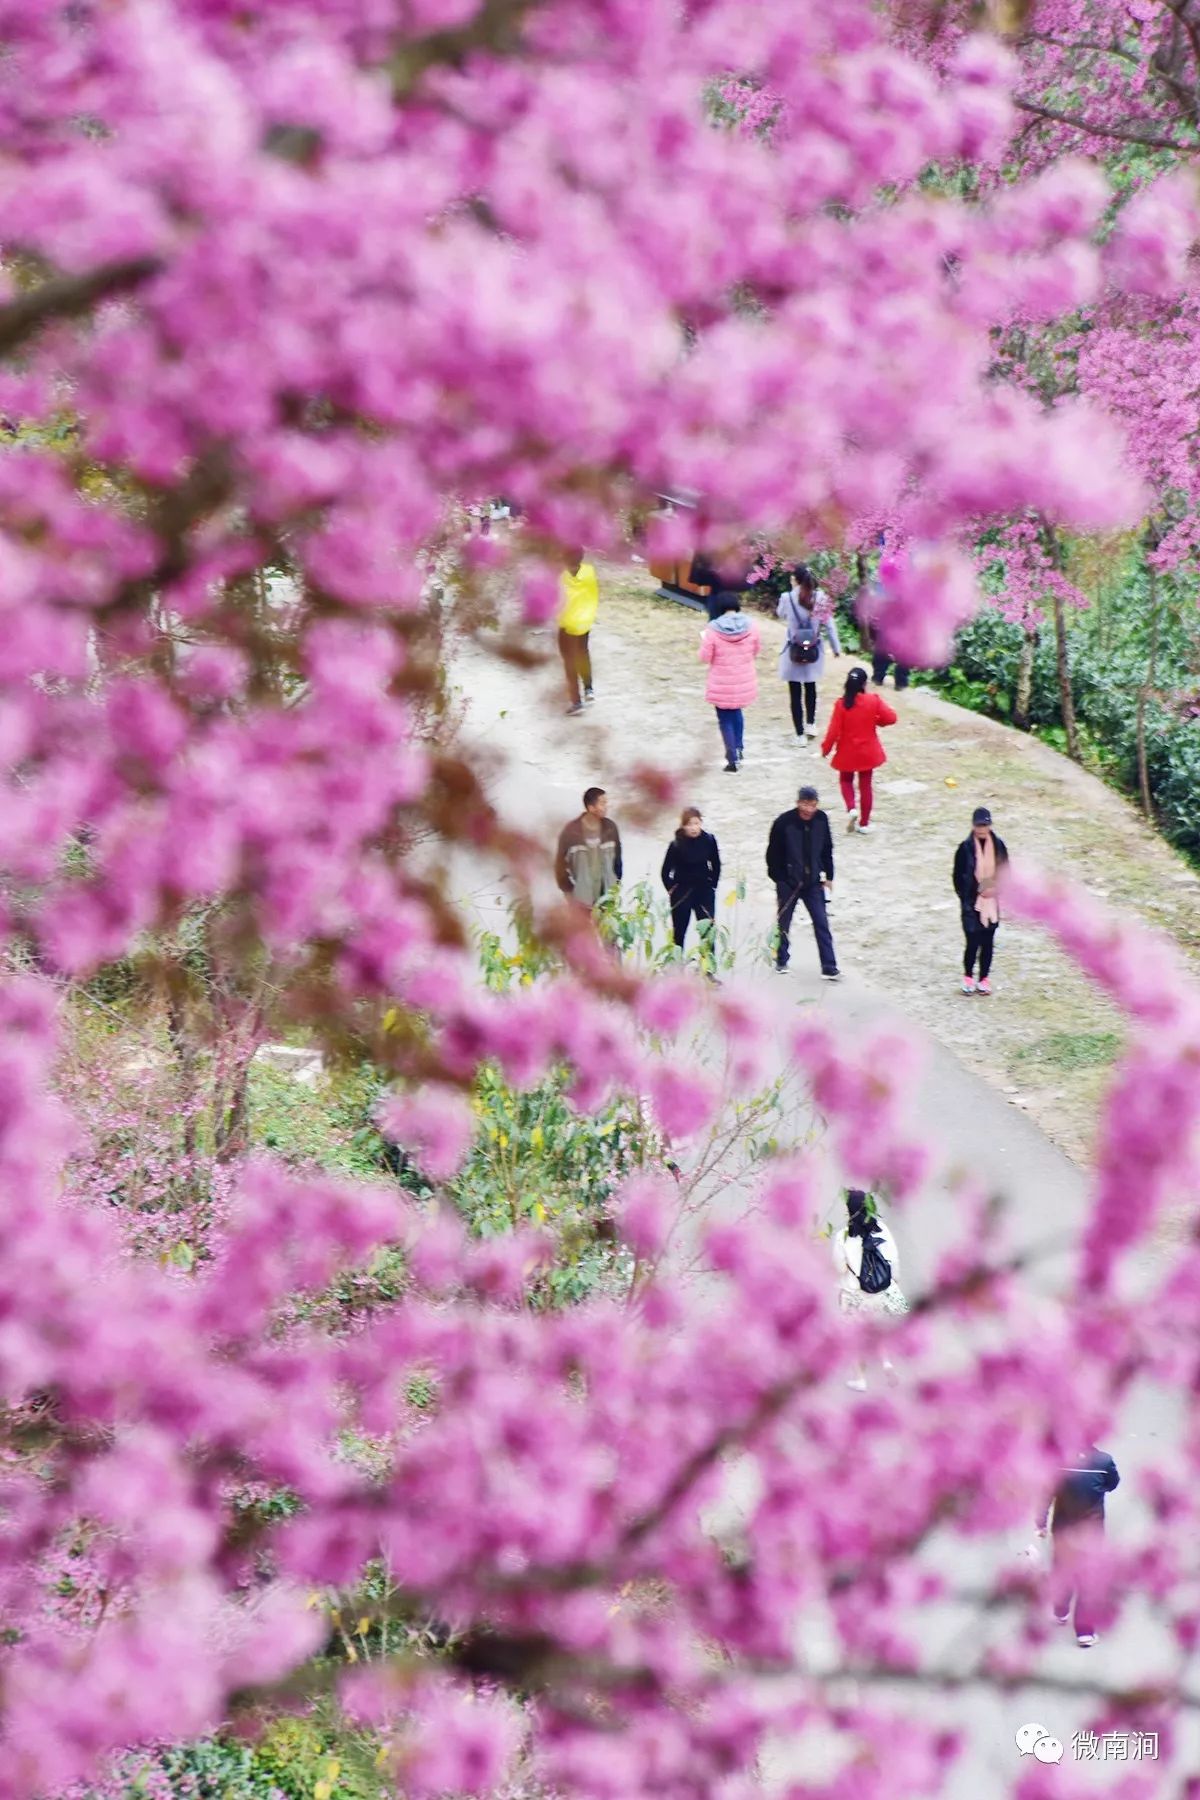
853 736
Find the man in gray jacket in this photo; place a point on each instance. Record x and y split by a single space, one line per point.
588 861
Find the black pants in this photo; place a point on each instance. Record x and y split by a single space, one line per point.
880 665
981 940
813 900
703 905
803 696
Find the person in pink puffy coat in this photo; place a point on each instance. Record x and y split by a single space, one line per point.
729 647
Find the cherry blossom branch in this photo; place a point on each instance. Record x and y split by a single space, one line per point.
1179 9
1150 140
68 296
495 30
1152 1694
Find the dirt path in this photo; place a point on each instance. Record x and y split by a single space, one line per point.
1046 1039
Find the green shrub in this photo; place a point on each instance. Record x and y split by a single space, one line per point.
1108 650
306 1762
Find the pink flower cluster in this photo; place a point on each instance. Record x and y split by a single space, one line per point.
269 340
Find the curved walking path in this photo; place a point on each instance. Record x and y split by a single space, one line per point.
1010 1085
1046 1039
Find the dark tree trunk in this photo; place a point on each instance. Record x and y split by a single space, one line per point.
1023 697
1066 699
1145 693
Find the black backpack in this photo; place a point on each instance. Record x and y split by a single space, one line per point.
806 647
875 1271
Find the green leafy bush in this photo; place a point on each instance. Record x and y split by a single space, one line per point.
538 1161
294 1759
1109 655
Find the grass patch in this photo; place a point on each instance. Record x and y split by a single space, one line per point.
1071 1050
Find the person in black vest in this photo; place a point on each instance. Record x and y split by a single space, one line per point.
977 865
1075 1520
800 863
690 873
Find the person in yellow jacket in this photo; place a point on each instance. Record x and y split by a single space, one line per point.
580 600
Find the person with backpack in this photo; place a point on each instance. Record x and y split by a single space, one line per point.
868 1265
690 873
977 865
1074 1519
853 736
808 614
729 646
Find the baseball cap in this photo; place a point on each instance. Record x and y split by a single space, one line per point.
981 816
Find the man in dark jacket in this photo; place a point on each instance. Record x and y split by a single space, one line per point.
588 860
977 864
1075 1517
800 863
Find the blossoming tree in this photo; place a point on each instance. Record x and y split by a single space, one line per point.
286 288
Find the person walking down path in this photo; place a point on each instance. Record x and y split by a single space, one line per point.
880 664
1075 1520
800 863
729 646
588 860
977 864
853 736
690 873
808 614
868 1265
579 602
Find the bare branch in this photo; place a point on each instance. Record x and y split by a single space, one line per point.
67 296
1092 129
495 30
1179 9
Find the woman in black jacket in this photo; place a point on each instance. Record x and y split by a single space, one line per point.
977 865
690 872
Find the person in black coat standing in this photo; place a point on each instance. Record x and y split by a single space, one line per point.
977 865
800 863
690 873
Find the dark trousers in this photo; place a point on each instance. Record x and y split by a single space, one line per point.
701 905
813 900
981 940
577 662
803 696
1075 1581
732 721
880 664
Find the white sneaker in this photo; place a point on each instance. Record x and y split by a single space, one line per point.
1062 1618
1087 1640
852 818
858 1383
810 731
865 828
968 984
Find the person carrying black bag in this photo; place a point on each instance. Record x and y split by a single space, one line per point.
690 873
806 611
868 1263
